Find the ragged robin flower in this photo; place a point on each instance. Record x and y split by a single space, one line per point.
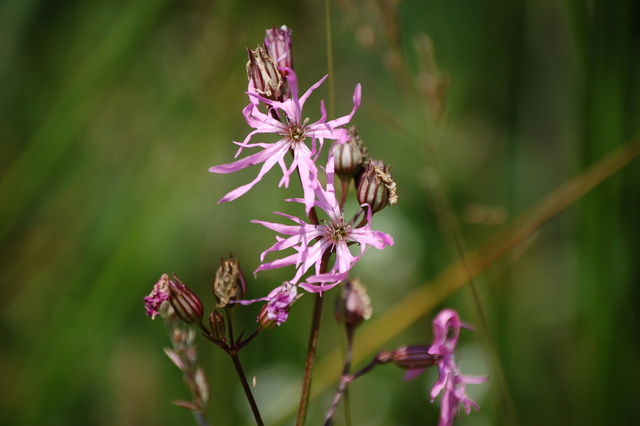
294 131
446 329
313 242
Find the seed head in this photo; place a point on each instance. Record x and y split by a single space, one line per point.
376 187
263 71
229 283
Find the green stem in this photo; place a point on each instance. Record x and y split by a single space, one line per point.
345 379
311 360
246 388
327 13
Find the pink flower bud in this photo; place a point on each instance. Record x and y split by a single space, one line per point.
278 44
354 305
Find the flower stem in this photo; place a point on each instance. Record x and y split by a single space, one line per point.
311 360
200 419
345 379
246 388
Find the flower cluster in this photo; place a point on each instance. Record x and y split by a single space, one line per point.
321 245
276 107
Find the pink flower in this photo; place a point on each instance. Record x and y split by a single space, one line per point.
446 329
294 132
279 301
314 242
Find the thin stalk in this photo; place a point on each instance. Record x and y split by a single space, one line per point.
311 360
201 420
232 341
345 379
344 185
327 13
246 388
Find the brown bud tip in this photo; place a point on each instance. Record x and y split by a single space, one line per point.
229 283
263 71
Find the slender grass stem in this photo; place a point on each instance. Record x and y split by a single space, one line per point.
332 104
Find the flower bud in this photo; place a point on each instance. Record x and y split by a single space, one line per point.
229 283
216 325
350 156
354 305
278 44
412 357
375 186
185 303
263 71
264 320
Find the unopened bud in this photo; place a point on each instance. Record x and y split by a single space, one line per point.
354 305
263 71
264 322
229 283
376 187
278 44
350 156
410 357
216 325
185 303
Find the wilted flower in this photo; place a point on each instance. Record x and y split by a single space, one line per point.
263 72
184 302
295 130
159 294
312 242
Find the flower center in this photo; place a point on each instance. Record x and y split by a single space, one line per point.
296 133
339 232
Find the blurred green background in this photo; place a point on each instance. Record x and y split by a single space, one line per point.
112 111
